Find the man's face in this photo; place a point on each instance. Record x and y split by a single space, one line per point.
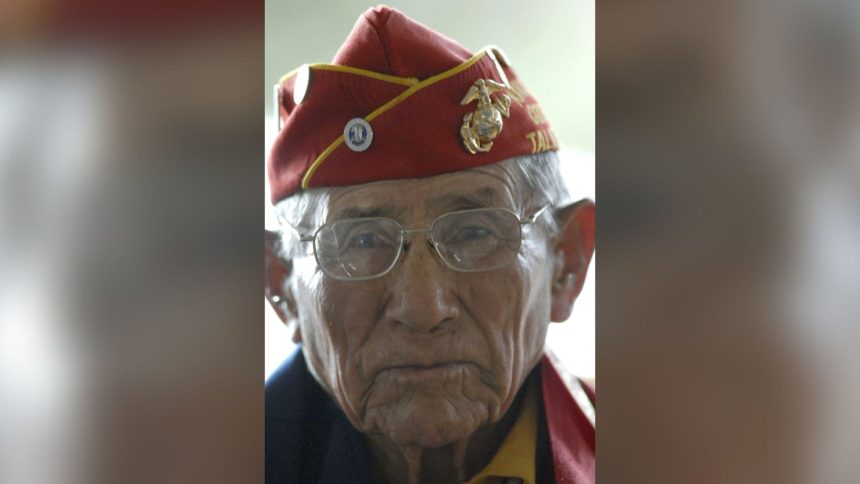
424 354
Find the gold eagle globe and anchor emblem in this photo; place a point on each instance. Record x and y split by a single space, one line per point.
481 127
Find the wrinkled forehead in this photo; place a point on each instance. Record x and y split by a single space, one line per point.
416 198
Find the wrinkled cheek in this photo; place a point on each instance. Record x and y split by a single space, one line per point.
513 318
351 308
499 310
344 316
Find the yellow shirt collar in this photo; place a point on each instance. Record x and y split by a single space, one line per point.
516 456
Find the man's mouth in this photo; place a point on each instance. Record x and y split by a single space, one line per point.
421 373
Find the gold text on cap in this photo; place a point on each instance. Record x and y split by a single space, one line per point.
481 127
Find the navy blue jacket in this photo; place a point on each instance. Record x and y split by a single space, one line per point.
309 439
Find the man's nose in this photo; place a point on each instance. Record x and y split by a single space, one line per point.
422 291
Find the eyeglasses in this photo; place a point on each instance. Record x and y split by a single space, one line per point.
476 240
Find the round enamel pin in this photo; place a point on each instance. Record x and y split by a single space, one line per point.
357 134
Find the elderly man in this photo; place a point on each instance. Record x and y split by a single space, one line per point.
427 243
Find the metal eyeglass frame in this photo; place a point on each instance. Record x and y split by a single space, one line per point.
403 241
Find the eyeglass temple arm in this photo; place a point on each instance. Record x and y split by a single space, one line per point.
534 217
302 238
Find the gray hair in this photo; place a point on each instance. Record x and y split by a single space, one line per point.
537 177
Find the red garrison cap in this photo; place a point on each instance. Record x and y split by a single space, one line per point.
400 100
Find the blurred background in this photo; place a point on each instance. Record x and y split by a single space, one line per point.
131 256
550 44
728 174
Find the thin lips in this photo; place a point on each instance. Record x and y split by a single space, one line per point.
427 366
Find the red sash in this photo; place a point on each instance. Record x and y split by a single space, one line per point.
568 405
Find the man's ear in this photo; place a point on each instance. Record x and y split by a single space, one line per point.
278 293
574 246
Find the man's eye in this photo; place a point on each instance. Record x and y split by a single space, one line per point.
365 240
473 232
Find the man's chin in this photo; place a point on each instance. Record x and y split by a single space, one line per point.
428 423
